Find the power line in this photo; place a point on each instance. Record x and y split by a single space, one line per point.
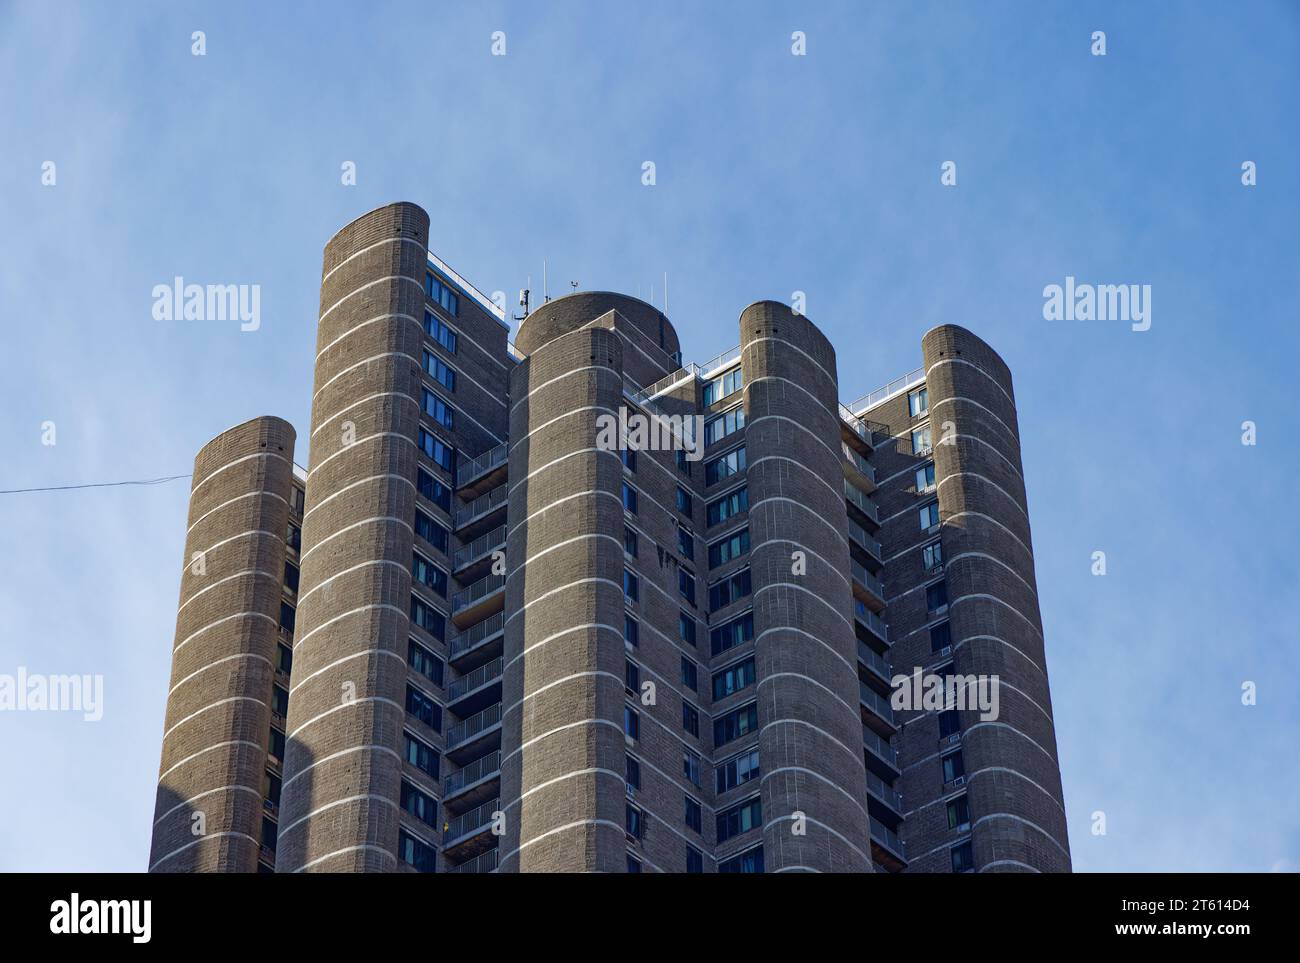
64 488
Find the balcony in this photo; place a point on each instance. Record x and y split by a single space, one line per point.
479 643
871 622
858 538
882 751
483 863
475 690
878 713
858 499
485 597
856 431
478 551
476 727
484 472
885 793
485 511
886 847
867 588
857 469
875 662
478 773
465 833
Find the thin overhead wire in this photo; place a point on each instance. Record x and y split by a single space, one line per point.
116 484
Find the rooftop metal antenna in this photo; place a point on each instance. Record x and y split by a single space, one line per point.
523 300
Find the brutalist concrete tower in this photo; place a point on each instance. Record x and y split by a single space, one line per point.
208 815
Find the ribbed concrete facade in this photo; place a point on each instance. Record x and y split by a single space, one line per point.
522 641
208 813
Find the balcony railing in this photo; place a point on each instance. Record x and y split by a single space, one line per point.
874 660
874 398
856 496
884 791
857 425
484 463
871 620
876 703
480 547
473 725
857 461
880 746
480 768
886 836
481 505
483 863
859 535
721 361
477 633
478 591
868 581
479 677
468 822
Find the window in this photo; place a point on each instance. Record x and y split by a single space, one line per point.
691 768
631 722
299 501
416 853
729 590
694 816
690 674
419 804
735 724
962 859
291 577
750 861
921 441
293 537
918 401
430 531
428 574
424 708
685 544
940 636
728 506
949 723
694 860
724 425
436 492
953 766
632 677
932 556
631 587
723 385
686 585
686 627
442 454
275 748
732 679
731 547
684 502
437 409
683 464
691 719
629 542
629 458
438 371
271 786
729 464
424 662
422 757
738 771
740 819
959 813
629 498
631 631
635 822
633 770
440 292
936 596
279 700
428 618
929 516
286 659
925 478
633 864
270 832
287 616
732 633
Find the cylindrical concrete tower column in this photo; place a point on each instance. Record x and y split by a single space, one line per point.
208 813
810 744
1012 774
342 768
563 752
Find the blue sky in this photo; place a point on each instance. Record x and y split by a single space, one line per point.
775 174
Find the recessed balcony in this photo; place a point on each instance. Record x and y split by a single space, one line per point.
484 472
475 603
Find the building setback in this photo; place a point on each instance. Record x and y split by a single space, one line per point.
474 637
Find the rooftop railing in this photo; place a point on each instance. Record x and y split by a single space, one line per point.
873 398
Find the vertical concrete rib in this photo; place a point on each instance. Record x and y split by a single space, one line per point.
1013 777
223 656
563 749
810 735
342 771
